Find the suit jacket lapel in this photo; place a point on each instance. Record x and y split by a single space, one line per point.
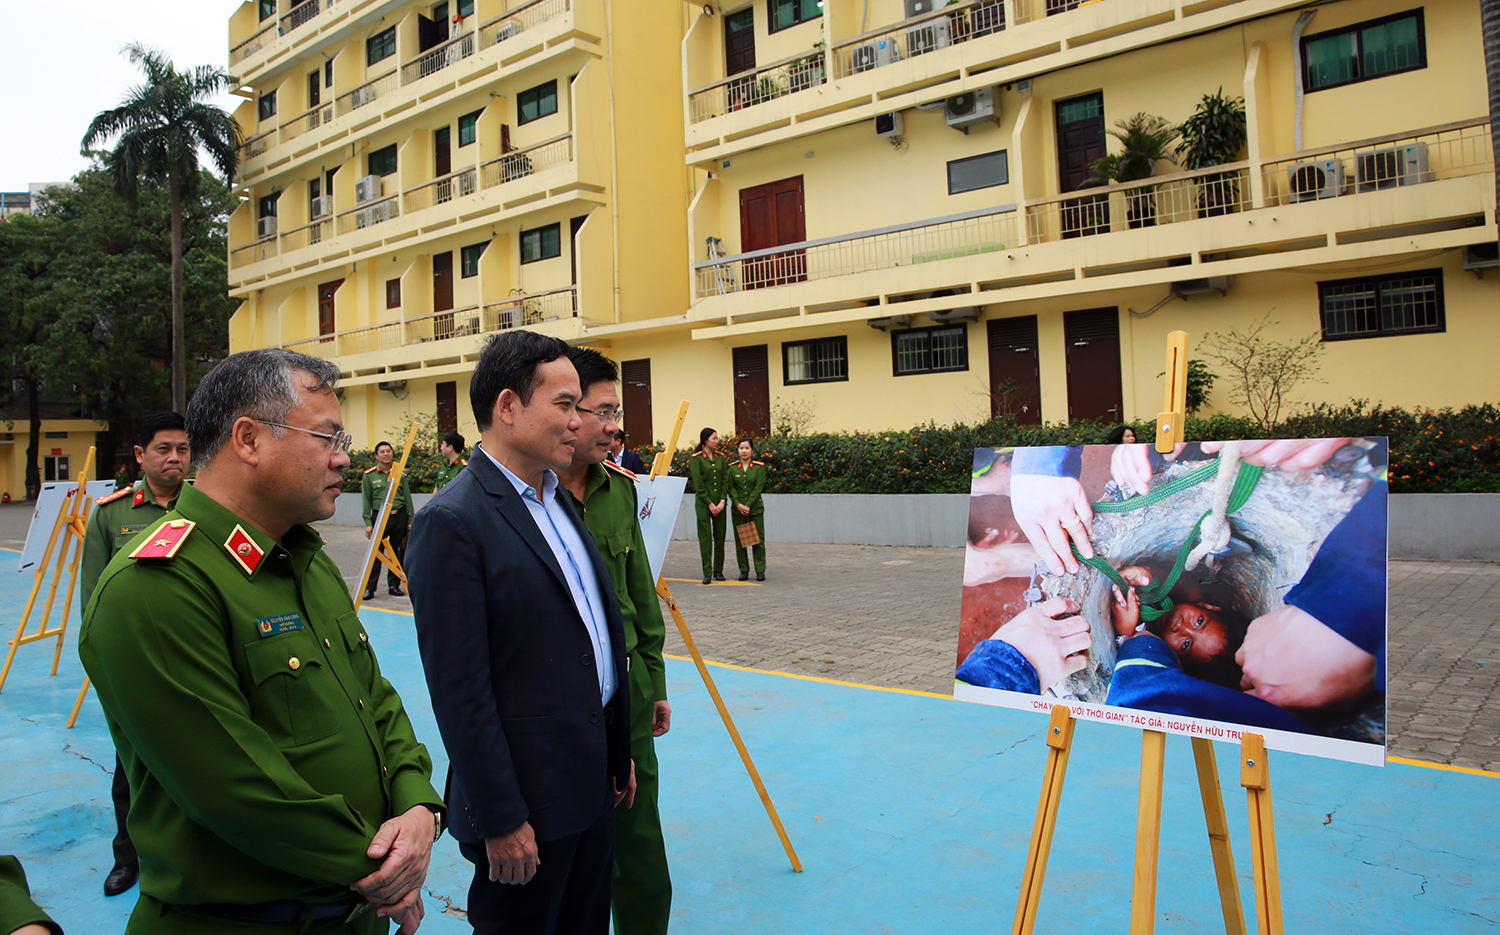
513 507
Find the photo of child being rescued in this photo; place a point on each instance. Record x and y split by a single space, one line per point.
1222 588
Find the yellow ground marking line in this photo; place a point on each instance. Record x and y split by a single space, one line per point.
3 548
738 584
1443 766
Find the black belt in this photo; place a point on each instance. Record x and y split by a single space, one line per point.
282 911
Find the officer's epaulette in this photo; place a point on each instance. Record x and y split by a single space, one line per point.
165 540
375 468
758 463
110 498
616 468
695 454
462 463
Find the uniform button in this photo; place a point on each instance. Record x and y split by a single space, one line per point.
361 704
593 717
362 637
327 644
384 770
587 659
294 662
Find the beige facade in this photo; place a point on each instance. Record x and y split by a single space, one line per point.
866 275
65 443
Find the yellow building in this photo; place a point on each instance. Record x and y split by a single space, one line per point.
870 215
63 447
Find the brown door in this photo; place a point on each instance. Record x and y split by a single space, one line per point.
635 399
1080 144
447 407
1093 339
442 153
739 55
325 308
771 215
1015 371
314 89
442 293
752 392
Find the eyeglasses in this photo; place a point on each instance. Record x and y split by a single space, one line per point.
339 440
605 415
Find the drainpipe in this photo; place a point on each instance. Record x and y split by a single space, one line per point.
1297 73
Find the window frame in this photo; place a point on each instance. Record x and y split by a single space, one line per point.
1004 155
541 239
473 118
539 93
961 326
267 201
395 153
842 340
799 15
262 111
1375 283
260 10
393 293
464 259
1357 30
388 33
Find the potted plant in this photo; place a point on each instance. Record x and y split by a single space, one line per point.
1214 135
1144 141
807 72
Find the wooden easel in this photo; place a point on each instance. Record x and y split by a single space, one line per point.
662 465
385 553
1254 776
72 521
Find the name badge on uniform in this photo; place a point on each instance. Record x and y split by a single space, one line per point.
281 623
132 530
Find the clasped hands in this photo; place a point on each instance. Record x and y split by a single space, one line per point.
395 890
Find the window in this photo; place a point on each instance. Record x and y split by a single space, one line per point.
1365 50
393 293
541 243
267 205
267 9
267 108
786 13
1401 303
930 350
381 45
468 127
535 103
328 74
468 259
383 161
825 360
465 7
983 171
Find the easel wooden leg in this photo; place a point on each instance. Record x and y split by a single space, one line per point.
62 625
1059 741
1148 833
1218 835
1255 776
58 528
765 797
78 705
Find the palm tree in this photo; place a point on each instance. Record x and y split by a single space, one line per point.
160 126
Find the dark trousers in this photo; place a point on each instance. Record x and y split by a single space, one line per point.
712 549
120 792
568 896
396 529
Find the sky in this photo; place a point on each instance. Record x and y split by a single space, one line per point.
51 91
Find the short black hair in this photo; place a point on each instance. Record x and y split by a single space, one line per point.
454 441
509 361
157 420
593 367
620 435
257 383
1222 669
384 444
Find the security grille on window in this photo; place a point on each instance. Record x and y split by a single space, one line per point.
1365 50
468 127
535 103
469 259
1401 303
382 45
541 243
983 171
786 13
930 350
825 360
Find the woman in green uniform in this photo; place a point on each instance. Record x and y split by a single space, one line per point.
747 481
709 471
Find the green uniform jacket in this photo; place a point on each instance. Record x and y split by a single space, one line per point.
609 511
447 472
372 494
710 476
16 907
263 747
117 519
746 485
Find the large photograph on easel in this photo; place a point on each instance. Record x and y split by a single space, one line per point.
1226 588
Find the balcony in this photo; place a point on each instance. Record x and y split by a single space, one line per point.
368 214
747 89
439 57
267 33
519 163
922 35
1166 199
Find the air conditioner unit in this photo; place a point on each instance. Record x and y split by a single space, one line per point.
1309 181
1479 257
506 30
267 227
970 107
374 214
929 36
367 189
888 125
1388 168
359 97
322 206
875 53
392 386
1186 287
890 322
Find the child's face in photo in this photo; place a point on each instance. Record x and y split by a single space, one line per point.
1195 631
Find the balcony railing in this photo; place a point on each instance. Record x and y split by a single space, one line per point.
438 57
369 214
256 145
307 120
944 238
1448 151
252 45
440 191
365 94
317 231
1166 199
920 35
253 253
520 163
748 88
302 13
517 312
519 20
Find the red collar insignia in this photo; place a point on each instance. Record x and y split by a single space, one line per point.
140 495
243 550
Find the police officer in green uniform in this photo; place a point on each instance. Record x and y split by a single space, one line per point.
18 914
161 450
709 471
451 447
372 497
747 481
604 493
277 785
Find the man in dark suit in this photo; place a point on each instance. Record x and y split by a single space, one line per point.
623 456
522 643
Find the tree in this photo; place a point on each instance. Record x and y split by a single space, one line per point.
26 255
1264 374
160 127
